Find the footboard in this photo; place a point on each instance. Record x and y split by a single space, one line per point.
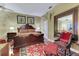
28 40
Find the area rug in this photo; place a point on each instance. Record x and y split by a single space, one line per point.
37 50
33 50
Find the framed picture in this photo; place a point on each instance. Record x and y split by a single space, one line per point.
21 19
30 20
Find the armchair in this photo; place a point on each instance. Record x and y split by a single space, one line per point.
59 47
64 43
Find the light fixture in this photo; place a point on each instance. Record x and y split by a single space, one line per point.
37 29
11 28
50 7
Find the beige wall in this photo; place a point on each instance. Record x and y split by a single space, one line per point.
78 23
9 19
57 10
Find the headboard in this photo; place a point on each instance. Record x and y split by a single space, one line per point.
26 28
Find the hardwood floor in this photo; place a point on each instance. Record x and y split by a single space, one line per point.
75 46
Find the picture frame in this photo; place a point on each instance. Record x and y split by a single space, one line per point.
30 20
21 19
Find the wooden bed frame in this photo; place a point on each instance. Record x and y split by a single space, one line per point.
22 41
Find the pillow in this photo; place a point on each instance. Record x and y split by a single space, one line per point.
23 34
27 34
31 30
27 30
23 31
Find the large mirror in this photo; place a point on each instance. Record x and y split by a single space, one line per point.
65 23
67 20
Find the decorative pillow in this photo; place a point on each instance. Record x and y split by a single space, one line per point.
27 34
31 30
23 31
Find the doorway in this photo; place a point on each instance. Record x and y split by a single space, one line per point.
44 28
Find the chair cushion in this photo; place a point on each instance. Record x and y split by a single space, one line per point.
65 36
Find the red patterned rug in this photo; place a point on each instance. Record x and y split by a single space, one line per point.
38 50
33 50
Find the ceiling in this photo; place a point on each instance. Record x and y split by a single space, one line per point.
36 9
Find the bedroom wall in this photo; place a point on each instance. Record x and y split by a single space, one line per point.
9 19
57 10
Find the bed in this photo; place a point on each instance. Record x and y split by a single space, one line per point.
27 36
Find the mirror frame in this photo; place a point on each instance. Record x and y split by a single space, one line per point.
74 12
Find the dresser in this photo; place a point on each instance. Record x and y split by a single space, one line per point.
4 49
10 36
